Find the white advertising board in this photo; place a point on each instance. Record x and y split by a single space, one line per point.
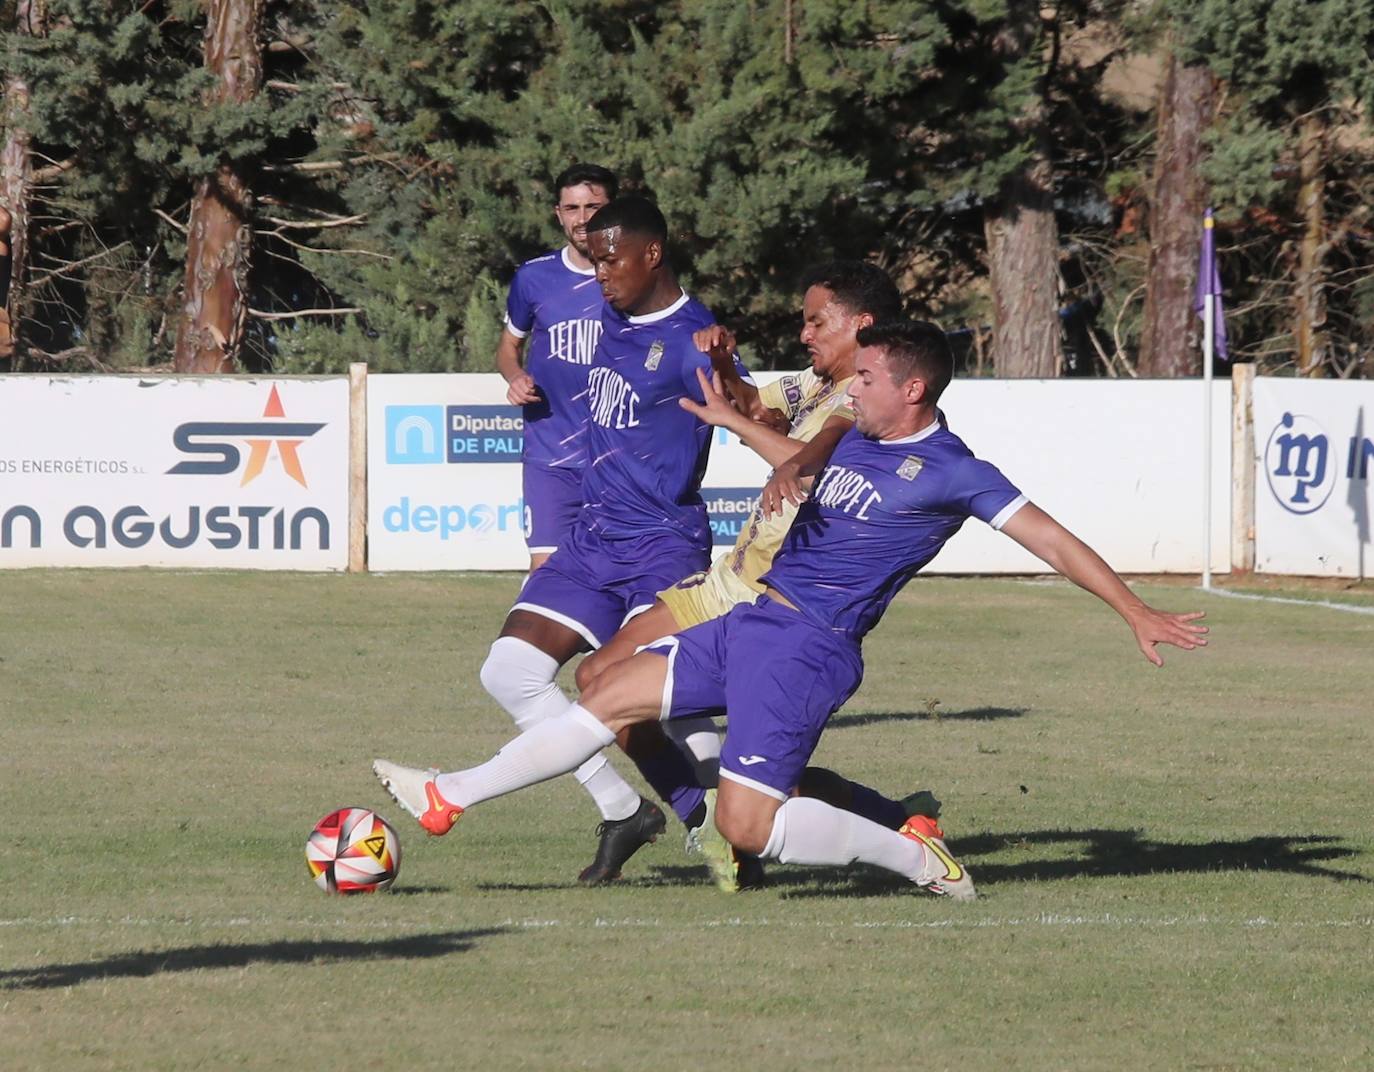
174 471
443 474
1120 462
1314 450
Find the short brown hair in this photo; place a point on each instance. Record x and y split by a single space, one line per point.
915 349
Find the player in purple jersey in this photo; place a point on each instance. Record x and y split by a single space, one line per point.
893 492
553 314
642 524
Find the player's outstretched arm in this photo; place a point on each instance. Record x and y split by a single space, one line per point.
1045 538
791 481
773 447
520 388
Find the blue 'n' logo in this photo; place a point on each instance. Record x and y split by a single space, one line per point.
1296 464
415 435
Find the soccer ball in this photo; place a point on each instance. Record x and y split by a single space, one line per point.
353 850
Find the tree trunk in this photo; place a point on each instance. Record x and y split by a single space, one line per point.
220 234
16 176
1309 297
1022 237
1023 265
1171 338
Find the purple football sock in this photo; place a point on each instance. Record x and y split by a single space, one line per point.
874 806
674 780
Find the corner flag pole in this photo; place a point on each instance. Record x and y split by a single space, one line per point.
1208 344
1207 303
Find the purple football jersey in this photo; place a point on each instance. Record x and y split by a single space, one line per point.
878 512
645 454
559 308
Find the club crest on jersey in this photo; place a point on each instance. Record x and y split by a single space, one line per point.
911 468
655 355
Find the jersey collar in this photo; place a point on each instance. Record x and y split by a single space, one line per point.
651 318
568 264
916 437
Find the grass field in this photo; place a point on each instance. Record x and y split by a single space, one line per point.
1177 866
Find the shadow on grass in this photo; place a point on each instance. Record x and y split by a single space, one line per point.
1126 853
657 877
1099 854
873 718
143 963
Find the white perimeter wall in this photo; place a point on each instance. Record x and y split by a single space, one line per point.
210 471
1119 462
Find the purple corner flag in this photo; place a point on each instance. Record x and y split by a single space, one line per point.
1209 286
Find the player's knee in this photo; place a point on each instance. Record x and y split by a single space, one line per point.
747 829
597 693
588 670
515 671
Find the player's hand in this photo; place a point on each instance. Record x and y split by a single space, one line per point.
717 341
775 419
1154 627
717 409
786 485
521 391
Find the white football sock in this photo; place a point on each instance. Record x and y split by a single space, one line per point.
552 747
699 739
809 831
520 678
615 797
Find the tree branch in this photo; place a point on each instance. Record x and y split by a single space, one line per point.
341 221
70 266
307 166
341 311
42 176
179 226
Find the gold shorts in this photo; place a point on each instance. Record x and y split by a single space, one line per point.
706 595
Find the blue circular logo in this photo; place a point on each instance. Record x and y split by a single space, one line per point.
1298 464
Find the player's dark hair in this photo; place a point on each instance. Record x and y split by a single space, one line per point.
632 214
857 285
588 174
915 349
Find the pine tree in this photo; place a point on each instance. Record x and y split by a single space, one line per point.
1297 72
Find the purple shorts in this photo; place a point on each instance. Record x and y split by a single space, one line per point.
593 584
776 675
553 496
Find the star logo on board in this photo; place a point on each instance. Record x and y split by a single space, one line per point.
911 468
286 448
655 355
213 449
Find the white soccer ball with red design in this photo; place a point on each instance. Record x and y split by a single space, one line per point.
353 850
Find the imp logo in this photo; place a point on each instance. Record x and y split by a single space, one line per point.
1297 463
222 438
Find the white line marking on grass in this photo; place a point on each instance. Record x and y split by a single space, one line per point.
1043 919
1350 607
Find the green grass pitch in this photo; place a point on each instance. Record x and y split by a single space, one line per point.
1175 865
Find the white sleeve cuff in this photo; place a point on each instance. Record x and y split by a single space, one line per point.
514 330
1004 514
